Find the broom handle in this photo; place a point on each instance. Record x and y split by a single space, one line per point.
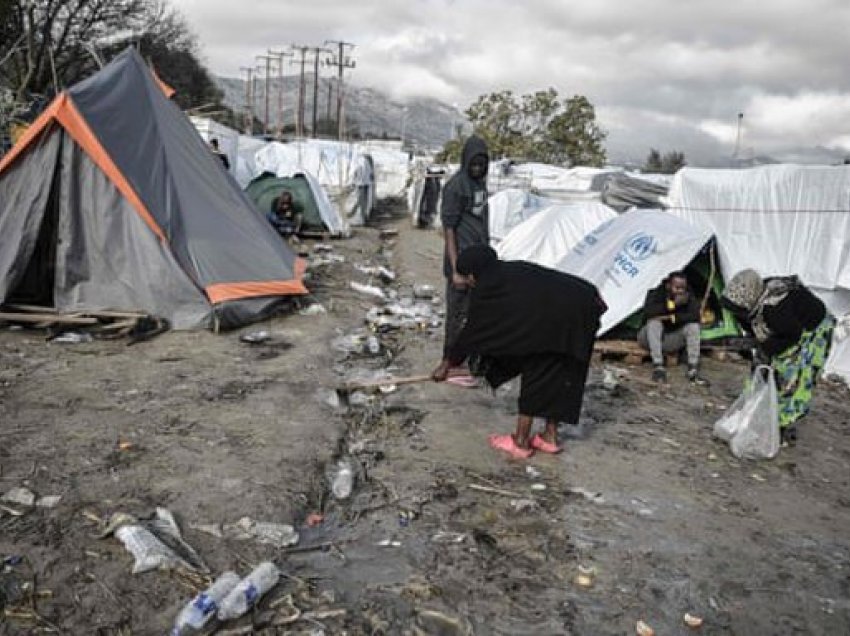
406 380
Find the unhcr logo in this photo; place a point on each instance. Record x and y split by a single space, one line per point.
640 246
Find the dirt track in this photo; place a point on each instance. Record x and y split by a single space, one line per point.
667 521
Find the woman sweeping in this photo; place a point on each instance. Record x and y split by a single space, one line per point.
793 331
533 322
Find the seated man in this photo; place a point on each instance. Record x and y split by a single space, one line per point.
672 324
283 216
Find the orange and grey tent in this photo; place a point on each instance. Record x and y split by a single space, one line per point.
111 200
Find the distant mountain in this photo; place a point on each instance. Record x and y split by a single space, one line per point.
424 122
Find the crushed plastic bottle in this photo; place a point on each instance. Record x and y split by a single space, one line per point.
197 612
343 482
249 591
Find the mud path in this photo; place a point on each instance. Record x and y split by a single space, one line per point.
642 518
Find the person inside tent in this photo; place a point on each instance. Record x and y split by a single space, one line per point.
284 217
793 333
529 321
672 314
464 215
218 153
430 197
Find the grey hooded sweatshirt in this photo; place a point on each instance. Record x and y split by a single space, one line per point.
464 206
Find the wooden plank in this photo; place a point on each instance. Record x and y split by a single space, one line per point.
54 319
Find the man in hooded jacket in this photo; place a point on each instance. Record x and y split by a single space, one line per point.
464 215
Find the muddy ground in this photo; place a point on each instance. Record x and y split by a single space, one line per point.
441 534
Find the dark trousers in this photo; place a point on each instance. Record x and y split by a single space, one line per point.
457 306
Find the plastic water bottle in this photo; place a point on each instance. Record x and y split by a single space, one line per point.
343 481
249 591
200 609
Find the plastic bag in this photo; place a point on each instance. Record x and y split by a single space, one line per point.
751 425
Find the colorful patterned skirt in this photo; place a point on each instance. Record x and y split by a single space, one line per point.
797 369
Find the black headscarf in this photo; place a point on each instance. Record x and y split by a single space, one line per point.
518 308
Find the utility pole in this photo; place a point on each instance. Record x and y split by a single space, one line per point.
299 125
280 55
316 52
342 62
249 99
268 60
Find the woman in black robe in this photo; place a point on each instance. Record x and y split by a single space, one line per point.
533 322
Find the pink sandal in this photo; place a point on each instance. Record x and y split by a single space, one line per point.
538 443
506 443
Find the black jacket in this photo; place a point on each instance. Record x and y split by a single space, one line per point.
655 305
464 206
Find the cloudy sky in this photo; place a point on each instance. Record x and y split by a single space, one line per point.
670 74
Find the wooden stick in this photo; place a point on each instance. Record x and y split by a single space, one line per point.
497 491
56 319
362 386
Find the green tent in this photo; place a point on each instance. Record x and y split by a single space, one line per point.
264 189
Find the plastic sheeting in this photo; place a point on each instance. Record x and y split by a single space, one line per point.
778 220
552 233
629 255
511 207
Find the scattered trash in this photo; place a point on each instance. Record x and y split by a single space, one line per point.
330 398
255 337
405 517
424 292
594 497
73 337
154 543
125 445
209 528
532 472
609 379
386 275
538 486
643 629
149 552
315 309
712 457
314 519
692 621
249 591
280 535
433 622
523 505
584 580
387 233
343 482
19 495
758 477
388 543
48 501
368 290
449 537
197 612
402 315
357 342
323 247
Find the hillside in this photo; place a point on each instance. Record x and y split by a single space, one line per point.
426 123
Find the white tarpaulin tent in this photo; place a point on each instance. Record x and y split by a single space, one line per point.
629 255
778 220
549 235
509 208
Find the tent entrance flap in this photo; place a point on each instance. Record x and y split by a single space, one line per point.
37 282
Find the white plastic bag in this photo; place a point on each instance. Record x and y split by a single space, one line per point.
751 425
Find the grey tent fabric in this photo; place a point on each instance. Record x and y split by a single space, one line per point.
622 192
24 187
115 201
195 201
108 260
